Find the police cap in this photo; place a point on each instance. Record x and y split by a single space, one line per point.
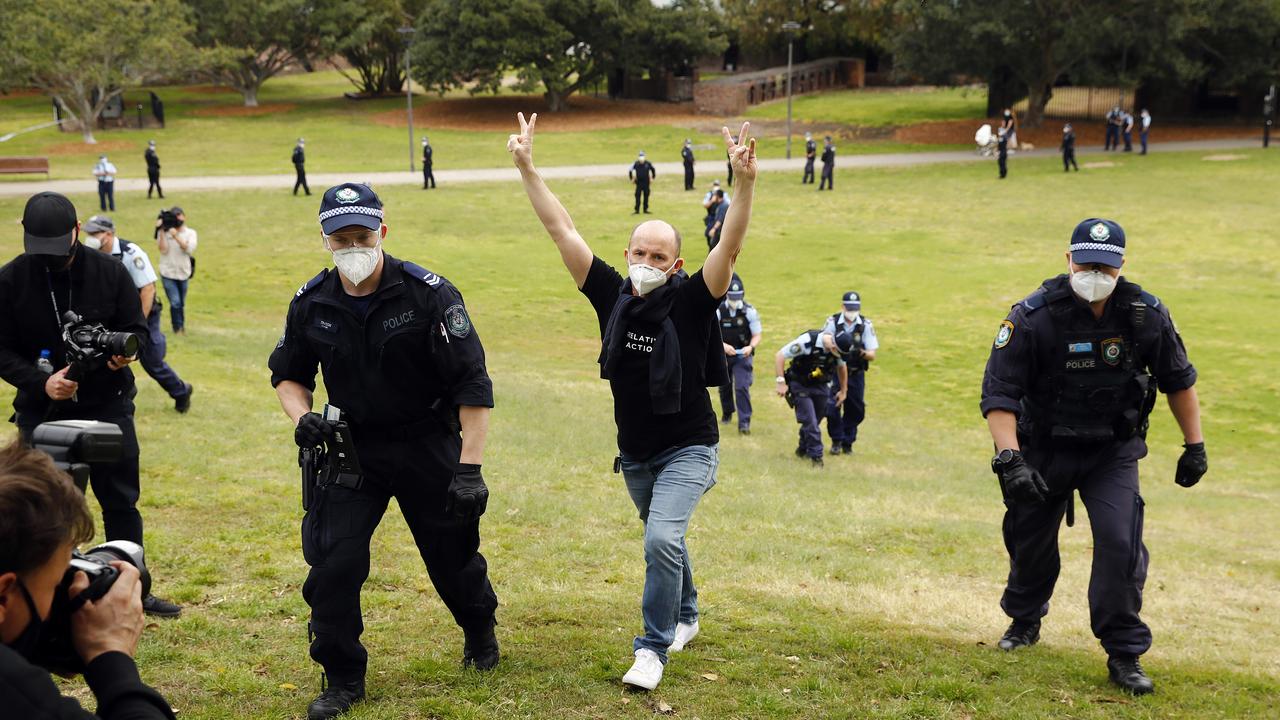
350 204
852 300
1097 241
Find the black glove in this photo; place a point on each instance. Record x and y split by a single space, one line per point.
468 495
1020 481
1192 465
312 430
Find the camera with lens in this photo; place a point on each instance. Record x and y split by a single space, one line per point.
74 444
89 345
168 220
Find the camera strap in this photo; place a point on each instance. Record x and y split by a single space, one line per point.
57 316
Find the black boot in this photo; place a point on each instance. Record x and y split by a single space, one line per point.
1126 672
1020 634
335 700
480 650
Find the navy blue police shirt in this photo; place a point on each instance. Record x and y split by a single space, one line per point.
1025 346
388 358
641 432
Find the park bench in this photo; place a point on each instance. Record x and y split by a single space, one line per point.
24 165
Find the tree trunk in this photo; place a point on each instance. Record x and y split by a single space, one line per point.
1038 95
250 96
83 113
557 100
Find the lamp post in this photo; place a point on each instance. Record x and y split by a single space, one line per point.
408 32
790 28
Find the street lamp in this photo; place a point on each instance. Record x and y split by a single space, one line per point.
408 32
790 28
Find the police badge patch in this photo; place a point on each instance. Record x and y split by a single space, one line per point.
456 320
137 262
346 196
1112 350
1005 334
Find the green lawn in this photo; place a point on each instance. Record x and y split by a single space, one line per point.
868 589
879 107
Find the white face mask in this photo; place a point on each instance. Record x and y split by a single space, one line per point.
1092 285
734 304
357 263
92 242
646 278
851 316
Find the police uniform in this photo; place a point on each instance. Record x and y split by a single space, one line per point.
808 378
1113 129
844 418
828 166
1002 154
737 327
1082 389
398 363
686 154
1068 148
153 171
300 169
428 177
1126 129
810 154
641 172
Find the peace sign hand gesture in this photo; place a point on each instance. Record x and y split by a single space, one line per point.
521 146
742 152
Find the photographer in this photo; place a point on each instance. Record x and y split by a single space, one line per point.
177 243
56 275
45 517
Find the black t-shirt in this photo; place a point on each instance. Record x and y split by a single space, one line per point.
641 432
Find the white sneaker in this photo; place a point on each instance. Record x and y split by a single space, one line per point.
684 633
646 673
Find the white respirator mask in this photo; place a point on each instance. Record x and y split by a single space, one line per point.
646 278
93 243
734 304
356 263
851 316
1092 285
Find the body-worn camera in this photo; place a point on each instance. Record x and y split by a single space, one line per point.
89 345
74 444
168 220
56 652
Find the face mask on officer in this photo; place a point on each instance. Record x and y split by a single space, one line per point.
93 242
734 304
1093 285
850 316
356 263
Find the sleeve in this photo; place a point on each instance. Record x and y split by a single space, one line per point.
601 288
128 316
460 357
1168 360
293 359
140 269
829 328
1010 365
193 238
113 678
869 340
29 691
797 347
18 371
753 321
697 296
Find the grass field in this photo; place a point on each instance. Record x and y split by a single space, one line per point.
880 107
868 589
340 134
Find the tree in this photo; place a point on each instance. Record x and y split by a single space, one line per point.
255 39
86 54
828 27
365 33
563 45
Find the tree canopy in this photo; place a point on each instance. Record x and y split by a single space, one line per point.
255 39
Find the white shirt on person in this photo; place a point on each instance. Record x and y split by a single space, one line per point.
175 263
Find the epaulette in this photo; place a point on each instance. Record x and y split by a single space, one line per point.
1039 299
421 274
311 284
1151 300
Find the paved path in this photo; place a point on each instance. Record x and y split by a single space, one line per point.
452 177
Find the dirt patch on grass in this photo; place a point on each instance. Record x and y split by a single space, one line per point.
22 92
78 147
1223 158
499 114
242 111
1049 135
1097 165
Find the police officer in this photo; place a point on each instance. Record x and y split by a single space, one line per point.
1069 384
828 166
843 418
54 275
806 381
1002 152
153 170
1068 148
428 177
1145 130
1113 129
686 154
1126 128
810 154
641 172
404 364
740 332
101 235
299 167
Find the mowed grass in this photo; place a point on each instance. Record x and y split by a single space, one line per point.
880 107
342 136
867 589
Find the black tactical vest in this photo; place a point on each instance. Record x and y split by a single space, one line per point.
853 358
1094 387
735 329
816 368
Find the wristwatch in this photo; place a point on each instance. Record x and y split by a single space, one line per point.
780 379
1002 459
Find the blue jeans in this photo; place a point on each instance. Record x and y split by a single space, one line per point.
665 489
176 291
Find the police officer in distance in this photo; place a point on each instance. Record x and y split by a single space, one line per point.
843 418
153 170
806 383
1069 385
740 332
828 166
56 274
101 235
299 159
428 173
1114 121
404 364
810 154
686 155
641 172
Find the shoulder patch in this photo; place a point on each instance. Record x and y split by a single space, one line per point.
138 263
1151 300
421 274
1004 334
312 283
457 321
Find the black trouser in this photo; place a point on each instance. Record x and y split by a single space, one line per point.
1069 160
1107 480
1113 137
107 195
428 177
642 190
153 182
688 176
828 177
301 181
115 485
335 542
843 419
808 172
1003 161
